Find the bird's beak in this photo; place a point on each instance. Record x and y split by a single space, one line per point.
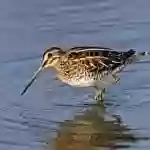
35 75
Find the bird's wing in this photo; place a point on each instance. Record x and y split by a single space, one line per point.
103 58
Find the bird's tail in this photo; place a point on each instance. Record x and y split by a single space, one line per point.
130 57
142 53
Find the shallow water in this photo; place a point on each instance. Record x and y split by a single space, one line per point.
52 115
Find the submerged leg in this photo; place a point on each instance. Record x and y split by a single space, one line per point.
116 78
100 94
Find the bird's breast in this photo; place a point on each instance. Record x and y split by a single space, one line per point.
85 81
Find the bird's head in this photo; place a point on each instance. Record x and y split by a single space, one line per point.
51 57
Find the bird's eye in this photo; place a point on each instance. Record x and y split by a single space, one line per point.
49 55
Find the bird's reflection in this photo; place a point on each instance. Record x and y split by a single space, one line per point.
95 129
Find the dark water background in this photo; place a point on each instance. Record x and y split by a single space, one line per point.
52 115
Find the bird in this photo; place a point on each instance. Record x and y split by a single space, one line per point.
86 66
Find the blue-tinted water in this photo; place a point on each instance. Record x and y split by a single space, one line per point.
52 115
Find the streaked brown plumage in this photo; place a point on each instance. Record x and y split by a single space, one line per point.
86 66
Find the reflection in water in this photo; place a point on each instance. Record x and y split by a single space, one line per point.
94 129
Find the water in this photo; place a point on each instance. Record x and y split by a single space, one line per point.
52 115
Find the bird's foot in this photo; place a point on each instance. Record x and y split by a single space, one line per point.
100 96
116 78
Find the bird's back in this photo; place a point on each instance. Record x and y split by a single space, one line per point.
84 66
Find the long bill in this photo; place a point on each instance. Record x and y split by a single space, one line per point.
32 79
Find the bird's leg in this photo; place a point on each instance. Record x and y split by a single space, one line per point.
116 78
100 94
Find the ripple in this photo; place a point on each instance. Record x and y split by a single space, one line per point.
90 129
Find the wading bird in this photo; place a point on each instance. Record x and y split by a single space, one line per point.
86 66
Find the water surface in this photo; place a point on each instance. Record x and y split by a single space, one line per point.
52 115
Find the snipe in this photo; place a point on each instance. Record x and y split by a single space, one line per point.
86 66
